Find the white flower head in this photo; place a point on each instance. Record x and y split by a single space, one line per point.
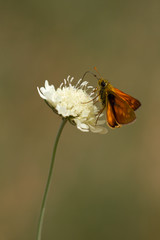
74 103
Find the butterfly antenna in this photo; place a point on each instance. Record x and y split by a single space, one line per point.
89 73
98 72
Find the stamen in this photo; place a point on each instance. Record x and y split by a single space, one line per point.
78 82
91 94
83 84
61 85
71 79
65 81
68 78
90 87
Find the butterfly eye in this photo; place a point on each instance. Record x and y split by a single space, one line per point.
103 84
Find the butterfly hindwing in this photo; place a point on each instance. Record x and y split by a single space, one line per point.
121 110
110 116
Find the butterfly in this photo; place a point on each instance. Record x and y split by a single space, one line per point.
120 107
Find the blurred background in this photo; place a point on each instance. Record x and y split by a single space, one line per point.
104 186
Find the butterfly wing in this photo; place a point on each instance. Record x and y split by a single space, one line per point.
119 110
133 103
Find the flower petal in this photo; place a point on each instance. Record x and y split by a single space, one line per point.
41 95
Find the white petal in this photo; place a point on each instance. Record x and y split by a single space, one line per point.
98 129
61 110
82 129
84 126
46 84
43 90
41 95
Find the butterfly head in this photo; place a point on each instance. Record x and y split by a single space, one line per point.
102 83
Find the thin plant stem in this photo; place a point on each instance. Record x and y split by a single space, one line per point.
42 211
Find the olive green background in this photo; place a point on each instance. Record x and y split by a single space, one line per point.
104 186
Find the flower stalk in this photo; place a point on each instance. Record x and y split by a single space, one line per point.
42 211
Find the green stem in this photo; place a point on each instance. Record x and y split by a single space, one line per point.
40 223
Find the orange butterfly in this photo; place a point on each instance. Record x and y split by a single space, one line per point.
119 106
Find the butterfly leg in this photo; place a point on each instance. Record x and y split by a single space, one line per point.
99 113
94 100
95 90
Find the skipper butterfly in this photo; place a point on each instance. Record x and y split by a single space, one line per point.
118 105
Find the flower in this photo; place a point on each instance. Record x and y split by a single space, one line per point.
74 103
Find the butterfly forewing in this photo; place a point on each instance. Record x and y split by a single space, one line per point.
133 103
